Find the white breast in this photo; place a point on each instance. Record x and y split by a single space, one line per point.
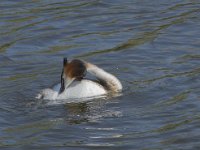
81 89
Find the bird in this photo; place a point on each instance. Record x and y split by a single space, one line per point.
75 84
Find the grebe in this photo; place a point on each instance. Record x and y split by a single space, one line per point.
74 84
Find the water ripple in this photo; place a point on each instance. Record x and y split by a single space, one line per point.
153 48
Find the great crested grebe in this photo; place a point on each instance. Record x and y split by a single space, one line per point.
75 85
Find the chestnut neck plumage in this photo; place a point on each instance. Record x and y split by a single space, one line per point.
75 70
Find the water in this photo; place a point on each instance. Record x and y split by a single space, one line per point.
153 47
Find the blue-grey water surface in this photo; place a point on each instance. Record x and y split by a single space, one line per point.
153 47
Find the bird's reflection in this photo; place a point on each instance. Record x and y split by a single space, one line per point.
93 111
